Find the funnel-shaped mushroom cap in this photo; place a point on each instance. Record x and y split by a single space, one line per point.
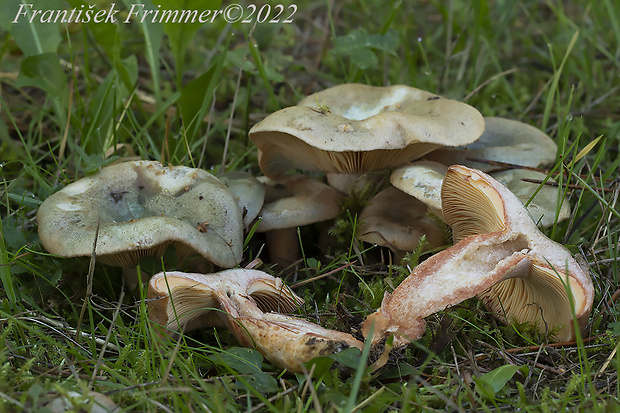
249 192
355 128
500 256
295 201
196 296
503 140
396 220
423 180
240 299
143 207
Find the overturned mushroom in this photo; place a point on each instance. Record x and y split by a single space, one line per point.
141 208
396 220
240 300
500 256
423 180
292 202
354 128
186 300
503 140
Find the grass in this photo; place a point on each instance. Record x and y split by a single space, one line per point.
78 97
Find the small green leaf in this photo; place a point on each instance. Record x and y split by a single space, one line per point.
349 357
240 359
44 71
358 45
37 37
197 95
490 383
194 100
13 235
262 382
615 328
363 58
322 365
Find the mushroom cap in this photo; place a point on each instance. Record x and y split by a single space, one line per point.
500 256
503 140
297 200
396 220
356 128
196 296
249 192
423 180
143 208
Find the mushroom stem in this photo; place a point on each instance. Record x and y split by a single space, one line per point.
286 341
467 269
283 246
132 278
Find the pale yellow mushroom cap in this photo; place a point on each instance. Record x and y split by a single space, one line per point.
295 201
355 128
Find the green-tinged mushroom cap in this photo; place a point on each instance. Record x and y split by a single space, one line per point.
141 209
249 192
503 140
355 128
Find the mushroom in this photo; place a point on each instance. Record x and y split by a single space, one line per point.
500 256
423 180
294 201
503 140
354 128
141 208
187 300
241 299
396 220
249 192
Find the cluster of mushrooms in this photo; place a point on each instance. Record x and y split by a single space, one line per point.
431 145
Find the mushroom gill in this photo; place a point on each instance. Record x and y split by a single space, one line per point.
471 206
